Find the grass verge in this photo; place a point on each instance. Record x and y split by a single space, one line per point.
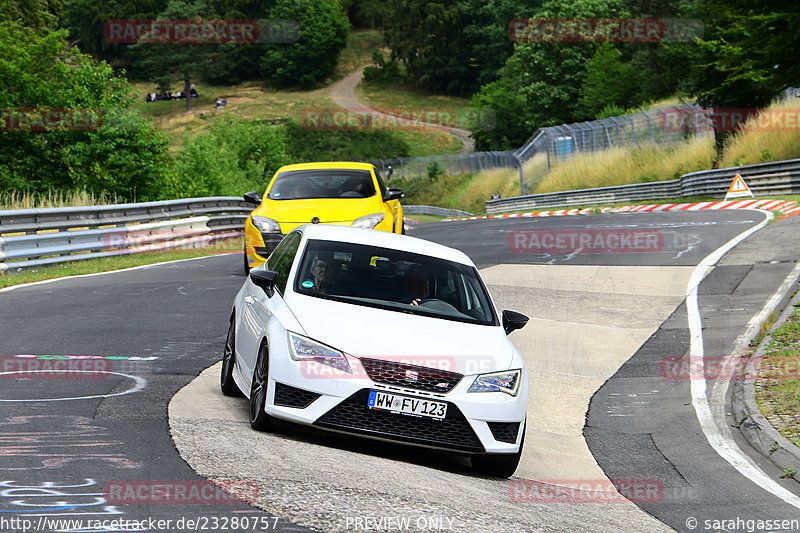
82 197
424 218
771 137
117 262
624 166
778 382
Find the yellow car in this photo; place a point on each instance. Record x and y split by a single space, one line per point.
342 193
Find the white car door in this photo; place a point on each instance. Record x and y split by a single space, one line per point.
257 306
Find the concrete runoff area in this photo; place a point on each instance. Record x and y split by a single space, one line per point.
571 352
586 321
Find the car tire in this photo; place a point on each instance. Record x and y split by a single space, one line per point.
246 263
226 381
498 465
260 420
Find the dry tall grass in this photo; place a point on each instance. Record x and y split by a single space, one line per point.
23 200
772 137
622 166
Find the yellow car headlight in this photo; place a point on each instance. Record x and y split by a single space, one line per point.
369 221
266 225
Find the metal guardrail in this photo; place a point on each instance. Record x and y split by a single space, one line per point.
35 237
782 177
435 211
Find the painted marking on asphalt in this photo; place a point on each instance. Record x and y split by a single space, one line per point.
27 443
14 498
725 447
139 384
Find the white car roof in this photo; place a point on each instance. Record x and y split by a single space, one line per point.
369 237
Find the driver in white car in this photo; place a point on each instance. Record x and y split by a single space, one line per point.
417 284
324 273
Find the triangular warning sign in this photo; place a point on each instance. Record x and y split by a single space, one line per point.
738 189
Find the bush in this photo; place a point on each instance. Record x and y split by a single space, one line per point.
308 145
610 110
509 130
382 72
434 171
234 156
124 154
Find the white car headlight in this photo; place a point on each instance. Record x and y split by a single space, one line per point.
305 349
369 221
507 382
266 225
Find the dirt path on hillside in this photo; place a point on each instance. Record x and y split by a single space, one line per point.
343 92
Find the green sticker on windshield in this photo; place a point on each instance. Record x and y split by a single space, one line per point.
307 284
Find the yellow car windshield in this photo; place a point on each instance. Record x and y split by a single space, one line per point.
322 183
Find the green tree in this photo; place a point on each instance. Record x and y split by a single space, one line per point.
163 62
546 76
125 154
39 15
323 29
608 81
367 14
452 46
237 62
85 20
748 55
508 104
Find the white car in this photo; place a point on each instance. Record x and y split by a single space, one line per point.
380 335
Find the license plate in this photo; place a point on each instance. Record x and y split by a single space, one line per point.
407 405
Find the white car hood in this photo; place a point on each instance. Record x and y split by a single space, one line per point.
370 332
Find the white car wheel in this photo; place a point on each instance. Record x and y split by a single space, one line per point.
259 420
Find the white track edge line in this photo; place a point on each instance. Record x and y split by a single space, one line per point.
44 281
725 448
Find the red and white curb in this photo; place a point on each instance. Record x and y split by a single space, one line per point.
787 208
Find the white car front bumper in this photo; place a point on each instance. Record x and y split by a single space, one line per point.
319 395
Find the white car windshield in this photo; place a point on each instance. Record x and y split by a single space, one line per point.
394 280
322 183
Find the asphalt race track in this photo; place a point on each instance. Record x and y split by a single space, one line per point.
77 447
